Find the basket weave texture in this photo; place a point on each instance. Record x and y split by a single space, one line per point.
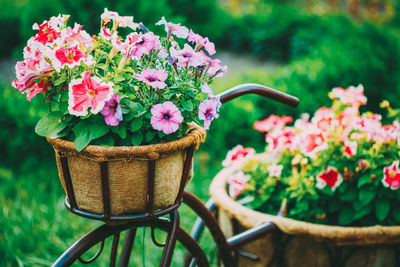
337 234
127 172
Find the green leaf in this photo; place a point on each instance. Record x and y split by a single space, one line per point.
396 214
59 81
149 136
382 208
106 140
137 139
50 125
362 212
367 193
120 130
187 105
82 139
136 124
363 180
97 129
349 195
346 216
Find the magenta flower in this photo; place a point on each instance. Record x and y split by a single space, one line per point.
208 110
176 29
237 154
166 117
88 92
187 56
153 77
112 111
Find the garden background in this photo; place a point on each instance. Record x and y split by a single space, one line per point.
302 47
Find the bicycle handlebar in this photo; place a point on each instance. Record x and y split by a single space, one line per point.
252 88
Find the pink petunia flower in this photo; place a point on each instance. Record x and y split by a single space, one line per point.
237 154
136 45
391 176
201 42
171 28
206 89
36 89
273 122
153 77
48 31
30 70
208 110
331 177
76 36
187 56
214 67
352 96
166 117
70 56
121 21
88 92
237 183
112 111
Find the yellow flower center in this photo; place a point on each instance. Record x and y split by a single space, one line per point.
91 93
392 173
70 55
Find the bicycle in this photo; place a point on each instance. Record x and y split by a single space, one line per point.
114 225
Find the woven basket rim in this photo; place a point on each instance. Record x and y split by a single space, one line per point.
194 137
341 235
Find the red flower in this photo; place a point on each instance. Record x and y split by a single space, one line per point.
272 122
391 176
238 153
330 177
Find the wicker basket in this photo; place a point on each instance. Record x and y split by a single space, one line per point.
127 171
305 244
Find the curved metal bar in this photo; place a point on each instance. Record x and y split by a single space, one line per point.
251 234
209 220
101 233
153 238
95 256
252 88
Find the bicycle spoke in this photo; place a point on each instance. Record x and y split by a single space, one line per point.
127 247
114 250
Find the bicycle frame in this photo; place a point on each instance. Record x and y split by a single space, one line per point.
226 247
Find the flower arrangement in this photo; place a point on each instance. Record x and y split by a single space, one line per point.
340 167
111 89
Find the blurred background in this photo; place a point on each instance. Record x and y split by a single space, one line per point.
302 47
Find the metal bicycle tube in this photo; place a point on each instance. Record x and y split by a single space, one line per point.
105 187
209 220
127 248
68 182
114 249
171 240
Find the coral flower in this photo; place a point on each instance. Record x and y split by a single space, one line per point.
280 140
176 29
112 111
272 122
153 77
350 148
330 177
46 33
353 96
88 92
391 176
237 154
312 141
166 117
208 110
237 183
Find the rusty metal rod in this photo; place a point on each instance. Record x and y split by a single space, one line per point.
252 88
